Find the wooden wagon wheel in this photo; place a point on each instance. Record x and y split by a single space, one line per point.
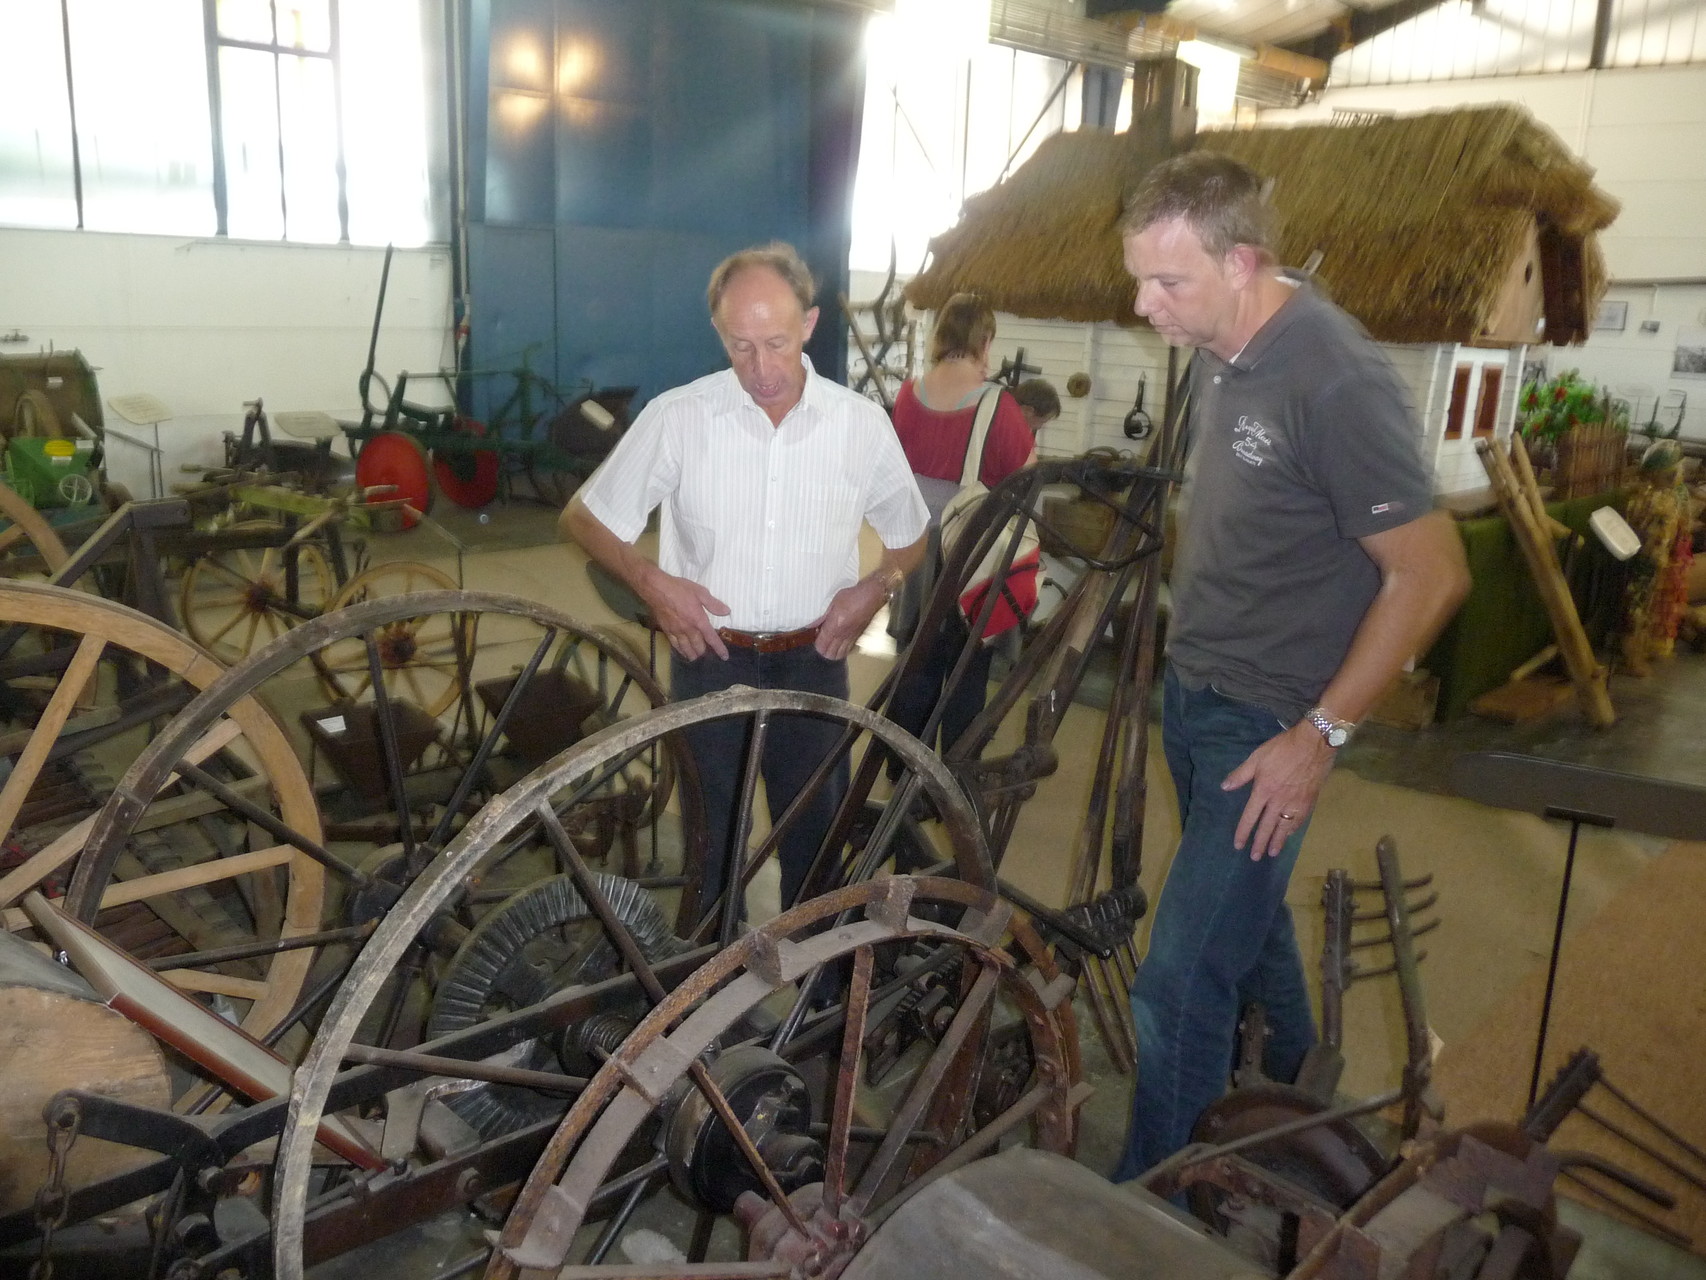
233 600
418 655
28 530
105 675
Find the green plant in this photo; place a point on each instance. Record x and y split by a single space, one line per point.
1549 409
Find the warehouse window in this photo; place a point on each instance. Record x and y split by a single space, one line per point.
938 129
264 119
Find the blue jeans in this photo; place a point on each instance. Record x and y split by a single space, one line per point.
794 746
1222 935
916 696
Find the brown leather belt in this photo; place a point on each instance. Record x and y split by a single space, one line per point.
769 641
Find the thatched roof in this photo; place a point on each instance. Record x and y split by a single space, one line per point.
1418 218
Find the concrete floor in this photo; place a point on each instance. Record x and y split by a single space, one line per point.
1496 870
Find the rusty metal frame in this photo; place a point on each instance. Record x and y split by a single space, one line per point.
494 824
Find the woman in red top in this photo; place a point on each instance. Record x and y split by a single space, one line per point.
933 418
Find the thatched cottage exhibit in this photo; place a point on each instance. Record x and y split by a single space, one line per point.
1458 238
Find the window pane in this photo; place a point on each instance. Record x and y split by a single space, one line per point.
308 110
305 24
249 118
246 20
36 188
140 72
381 52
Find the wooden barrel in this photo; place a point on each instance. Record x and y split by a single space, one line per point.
54 1034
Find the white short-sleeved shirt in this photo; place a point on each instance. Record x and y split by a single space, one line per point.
766 518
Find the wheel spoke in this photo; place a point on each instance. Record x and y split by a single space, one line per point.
918 1098
848 1072
225 630
58 711
218 566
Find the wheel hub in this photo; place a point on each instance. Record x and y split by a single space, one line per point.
771 1100
397 646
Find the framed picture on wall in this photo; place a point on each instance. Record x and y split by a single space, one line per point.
1611 318
1690 358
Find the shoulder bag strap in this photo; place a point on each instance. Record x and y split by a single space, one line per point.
979 435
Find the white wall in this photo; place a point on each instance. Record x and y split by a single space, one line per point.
1636 366
1644 131
1115 358
206 324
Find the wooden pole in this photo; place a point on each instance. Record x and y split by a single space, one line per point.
1537 548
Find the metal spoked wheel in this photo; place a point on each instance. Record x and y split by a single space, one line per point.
809 1161
505 708
909 977
233 601
86 685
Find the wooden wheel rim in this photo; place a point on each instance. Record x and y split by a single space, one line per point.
91 616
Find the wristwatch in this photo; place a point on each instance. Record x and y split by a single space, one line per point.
893 581
1335 733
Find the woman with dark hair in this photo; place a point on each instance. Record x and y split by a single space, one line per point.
934 417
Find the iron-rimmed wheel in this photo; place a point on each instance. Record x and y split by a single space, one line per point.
515 633
534 802
864 1172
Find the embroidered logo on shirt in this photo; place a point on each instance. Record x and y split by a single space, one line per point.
1381 508
1252 440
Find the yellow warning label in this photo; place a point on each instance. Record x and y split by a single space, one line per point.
59 448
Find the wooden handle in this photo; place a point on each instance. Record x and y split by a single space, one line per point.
1537 549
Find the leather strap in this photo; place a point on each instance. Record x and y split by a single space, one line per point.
768 641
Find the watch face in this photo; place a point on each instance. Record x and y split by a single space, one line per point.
1337 737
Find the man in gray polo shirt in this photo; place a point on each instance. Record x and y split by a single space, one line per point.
1311 567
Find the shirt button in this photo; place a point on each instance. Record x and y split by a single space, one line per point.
1217 379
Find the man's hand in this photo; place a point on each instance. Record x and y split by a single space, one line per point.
681 609
850 612
1285 775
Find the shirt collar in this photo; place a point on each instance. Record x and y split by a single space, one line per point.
735 398
1263 340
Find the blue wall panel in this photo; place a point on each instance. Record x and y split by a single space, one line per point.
509 324
647 139
518 184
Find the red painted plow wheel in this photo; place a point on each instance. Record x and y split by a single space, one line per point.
397 459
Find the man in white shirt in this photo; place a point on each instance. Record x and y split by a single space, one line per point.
764 472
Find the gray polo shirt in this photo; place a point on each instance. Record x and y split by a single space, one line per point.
1300 445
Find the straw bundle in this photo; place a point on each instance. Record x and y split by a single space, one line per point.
1418 219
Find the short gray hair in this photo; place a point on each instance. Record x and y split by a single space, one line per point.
779 257
1219 198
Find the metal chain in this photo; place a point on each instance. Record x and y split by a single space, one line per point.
53 1203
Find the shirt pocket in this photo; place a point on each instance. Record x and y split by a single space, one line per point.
831 524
